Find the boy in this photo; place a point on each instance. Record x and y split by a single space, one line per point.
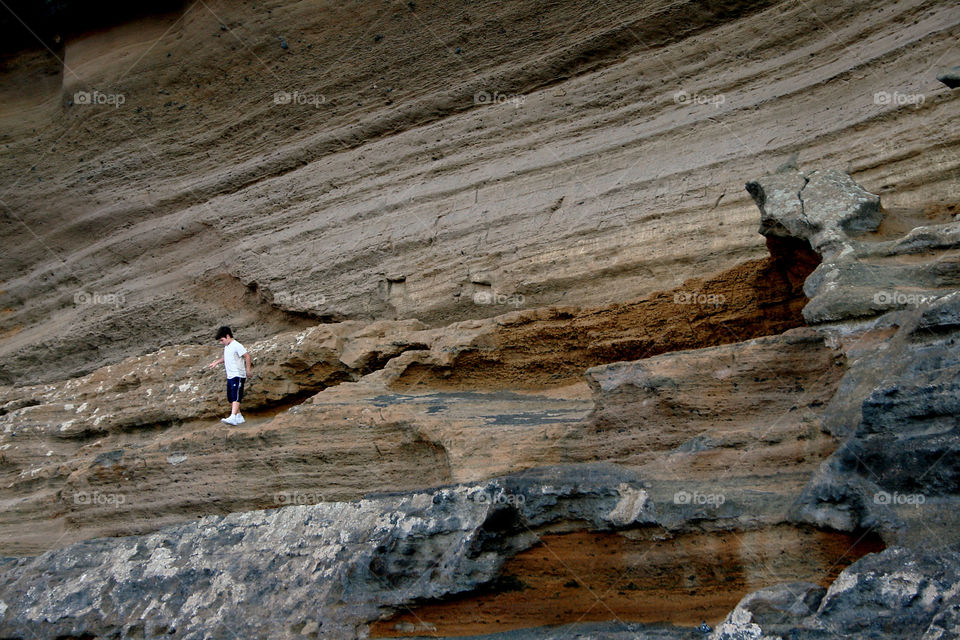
233 359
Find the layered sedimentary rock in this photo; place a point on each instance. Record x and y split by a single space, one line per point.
335 567
896 407
415 403
146 429
370 161
341 562
550 331
771 464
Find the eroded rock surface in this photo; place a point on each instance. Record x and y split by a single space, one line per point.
463 402
343 564
898 593
862 274
568 155
768 463
897 410
896 407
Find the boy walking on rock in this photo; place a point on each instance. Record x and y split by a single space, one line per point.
236 361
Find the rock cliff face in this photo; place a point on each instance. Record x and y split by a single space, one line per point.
523 368
655 495
366 161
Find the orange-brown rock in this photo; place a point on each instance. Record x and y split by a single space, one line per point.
662 416
549 347
641 575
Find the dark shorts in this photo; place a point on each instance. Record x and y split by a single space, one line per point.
235 389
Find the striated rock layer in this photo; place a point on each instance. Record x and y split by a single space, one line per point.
559 380
438 161
399 396
657 494
342 562
335 566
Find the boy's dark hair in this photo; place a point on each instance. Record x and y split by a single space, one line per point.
224 332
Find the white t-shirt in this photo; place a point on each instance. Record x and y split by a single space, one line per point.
233 360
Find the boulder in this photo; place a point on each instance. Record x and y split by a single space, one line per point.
950 77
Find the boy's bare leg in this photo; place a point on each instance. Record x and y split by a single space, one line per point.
234 408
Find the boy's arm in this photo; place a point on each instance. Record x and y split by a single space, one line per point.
215 363
246 357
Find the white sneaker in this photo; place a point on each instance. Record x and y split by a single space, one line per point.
239 419
232 420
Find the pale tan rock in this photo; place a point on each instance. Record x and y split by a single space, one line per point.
359 437
201 202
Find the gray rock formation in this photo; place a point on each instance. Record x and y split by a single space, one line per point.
320 571
863 272
896 407
897 410
898 593
821 208
725 439
950 77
